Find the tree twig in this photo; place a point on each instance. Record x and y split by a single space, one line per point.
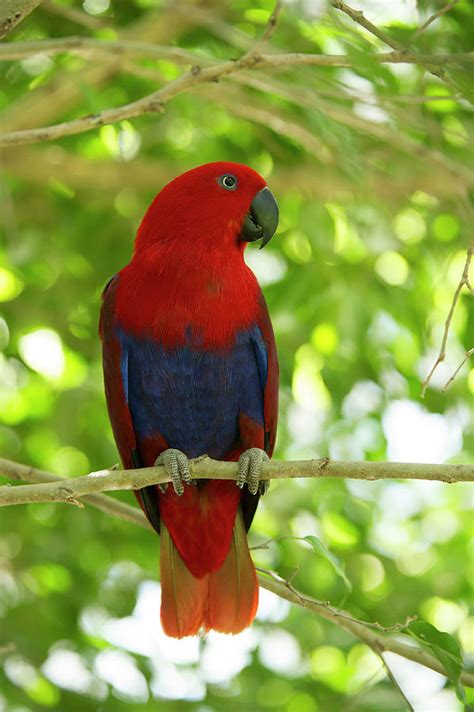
71 489
442 352
467 355
392 678
272 22
80 17
198 75
359 629
92 46
442 11
359 17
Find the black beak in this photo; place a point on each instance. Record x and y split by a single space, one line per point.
262 219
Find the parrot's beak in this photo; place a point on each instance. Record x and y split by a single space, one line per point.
261 220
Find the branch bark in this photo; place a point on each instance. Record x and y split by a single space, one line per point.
70 490
24 473
12 12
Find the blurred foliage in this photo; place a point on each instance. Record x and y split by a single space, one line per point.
372 167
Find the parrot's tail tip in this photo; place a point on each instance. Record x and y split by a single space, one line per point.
225 600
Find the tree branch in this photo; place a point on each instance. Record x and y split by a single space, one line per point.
467 355
464 281
91 47
198 75
359 17
393 679
13 12
70 490
370 633
442 11
80 17
361 630
24 473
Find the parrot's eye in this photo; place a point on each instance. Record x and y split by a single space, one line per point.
228 182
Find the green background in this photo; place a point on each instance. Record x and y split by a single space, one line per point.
372 169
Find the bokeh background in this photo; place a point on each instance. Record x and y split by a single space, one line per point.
372 168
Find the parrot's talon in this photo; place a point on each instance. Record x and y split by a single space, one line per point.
176 465
250 469
263 487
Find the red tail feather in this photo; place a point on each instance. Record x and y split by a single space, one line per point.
225 600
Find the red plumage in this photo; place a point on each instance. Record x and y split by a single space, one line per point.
170 316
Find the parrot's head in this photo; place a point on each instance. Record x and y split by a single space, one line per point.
215 207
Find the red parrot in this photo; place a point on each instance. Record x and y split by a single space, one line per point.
190 368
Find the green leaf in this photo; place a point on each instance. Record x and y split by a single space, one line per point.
321 548
444 647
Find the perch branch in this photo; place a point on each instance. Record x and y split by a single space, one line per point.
25 473
70 490
373 634
442 352
13 12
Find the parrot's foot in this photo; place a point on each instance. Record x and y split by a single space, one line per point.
176 465
250 470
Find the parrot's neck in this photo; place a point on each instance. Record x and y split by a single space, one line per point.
199 298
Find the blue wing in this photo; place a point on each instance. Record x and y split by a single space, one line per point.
194 398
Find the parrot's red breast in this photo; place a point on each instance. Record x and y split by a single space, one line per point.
190 363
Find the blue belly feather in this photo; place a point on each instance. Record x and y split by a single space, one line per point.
194 397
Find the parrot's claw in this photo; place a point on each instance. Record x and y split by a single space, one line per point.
250 469
263 487
176 465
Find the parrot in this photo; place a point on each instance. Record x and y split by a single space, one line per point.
190 369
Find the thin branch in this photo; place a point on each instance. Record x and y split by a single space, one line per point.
464 281
359 17
357 628
272 22
72 489
393 679
79 17
442 11
13 12
404 142
467 355
156 101
24 473
339 613
90 47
